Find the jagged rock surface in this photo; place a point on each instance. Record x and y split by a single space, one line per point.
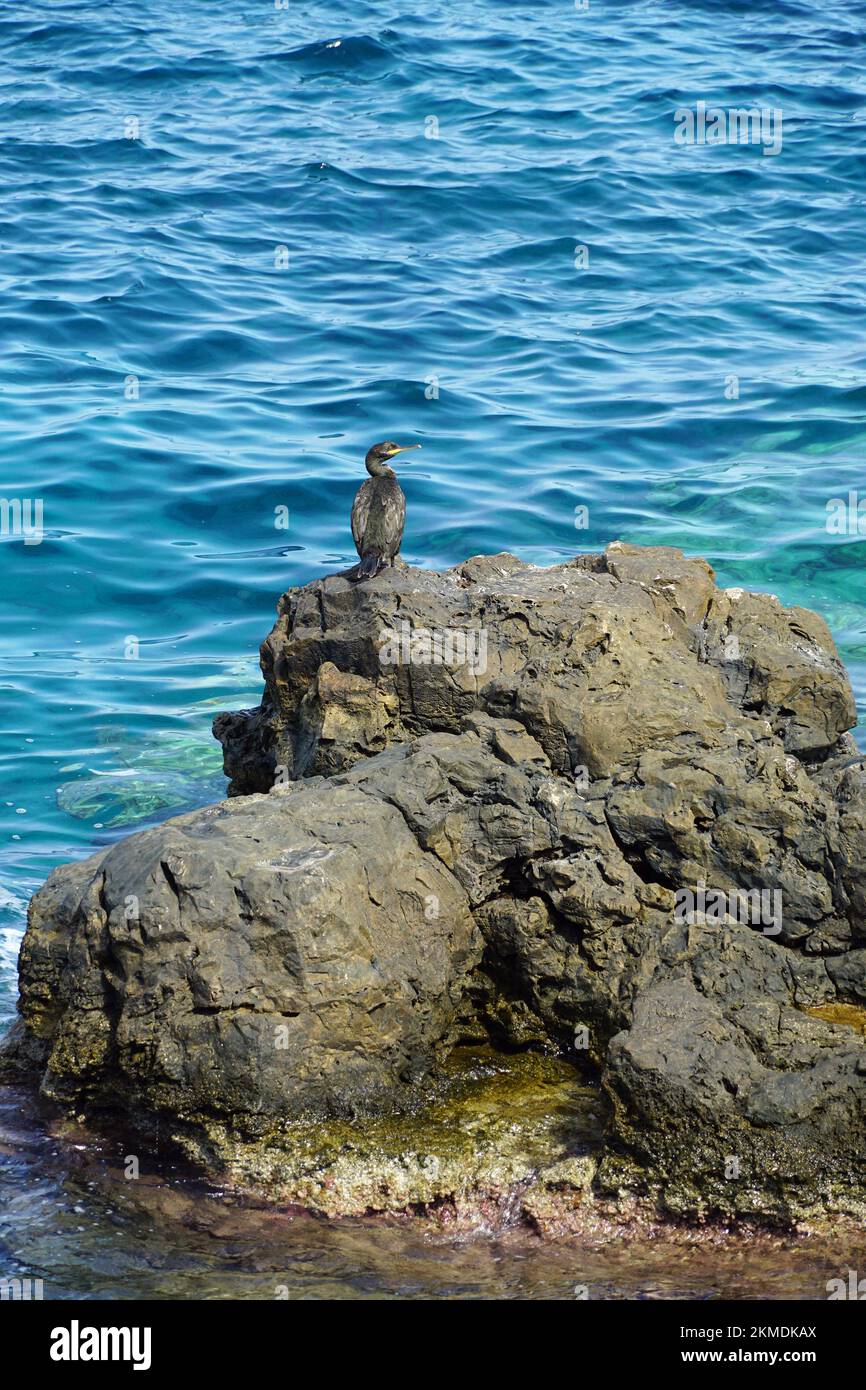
416 853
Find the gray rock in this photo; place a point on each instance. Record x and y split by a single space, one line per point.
600 659
265 956
485 803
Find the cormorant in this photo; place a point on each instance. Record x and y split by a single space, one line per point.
379 511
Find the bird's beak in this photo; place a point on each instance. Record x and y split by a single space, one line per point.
403 449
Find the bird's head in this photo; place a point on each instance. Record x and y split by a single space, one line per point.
379 456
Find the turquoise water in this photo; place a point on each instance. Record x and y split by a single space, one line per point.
233 258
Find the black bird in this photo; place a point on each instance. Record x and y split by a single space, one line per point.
379 511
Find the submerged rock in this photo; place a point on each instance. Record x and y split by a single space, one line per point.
121 798
602 809
155 775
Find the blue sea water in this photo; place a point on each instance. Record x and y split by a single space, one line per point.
241 242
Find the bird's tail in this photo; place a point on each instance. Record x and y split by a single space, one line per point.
369 567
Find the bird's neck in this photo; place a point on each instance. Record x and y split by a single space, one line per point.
380 470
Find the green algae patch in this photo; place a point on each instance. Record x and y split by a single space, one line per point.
497 1138
849 1015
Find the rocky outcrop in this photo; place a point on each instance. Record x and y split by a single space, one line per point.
265 956
602 660
603 808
